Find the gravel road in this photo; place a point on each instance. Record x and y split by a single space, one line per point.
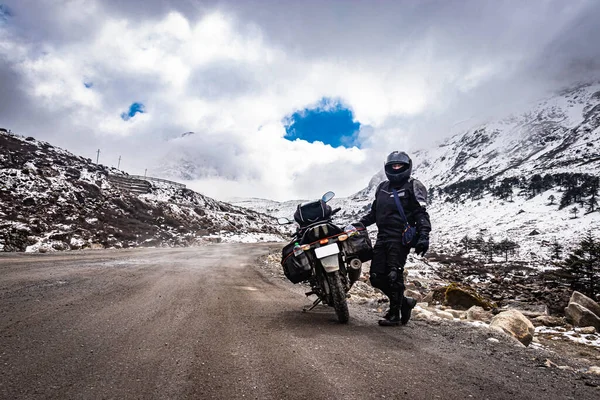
206 323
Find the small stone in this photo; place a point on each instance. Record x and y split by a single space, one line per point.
492 340
594 370
587 330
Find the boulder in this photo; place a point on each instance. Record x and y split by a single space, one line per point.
515 324
581 316
429 298
477 313
548 320
586 302
414 294
463 297
529 310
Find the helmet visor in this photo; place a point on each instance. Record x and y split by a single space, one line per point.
397 168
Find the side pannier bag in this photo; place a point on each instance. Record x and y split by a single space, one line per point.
359 245
295 268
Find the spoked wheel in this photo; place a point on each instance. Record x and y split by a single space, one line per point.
339 297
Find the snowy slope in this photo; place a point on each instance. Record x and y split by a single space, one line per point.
558 134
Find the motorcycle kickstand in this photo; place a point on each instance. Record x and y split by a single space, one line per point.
314 304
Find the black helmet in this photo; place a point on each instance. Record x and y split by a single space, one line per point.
398 175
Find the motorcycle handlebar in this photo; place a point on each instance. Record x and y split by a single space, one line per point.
336 210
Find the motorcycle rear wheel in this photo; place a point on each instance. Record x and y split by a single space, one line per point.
339 297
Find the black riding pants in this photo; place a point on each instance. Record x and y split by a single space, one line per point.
388 255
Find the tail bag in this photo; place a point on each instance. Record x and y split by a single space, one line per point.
308 213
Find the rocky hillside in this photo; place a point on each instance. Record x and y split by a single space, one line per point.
51 199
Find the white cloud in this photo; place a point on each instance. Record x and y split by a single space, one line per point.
231 74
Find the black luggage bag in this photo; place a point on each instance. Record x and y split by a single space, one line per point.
296 268
313 211
359 245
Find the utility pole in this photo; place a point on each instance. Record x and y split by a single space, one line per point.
97 156
145 172
119 164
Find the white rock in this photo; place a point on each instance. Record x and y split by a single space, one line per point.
444 315
594 370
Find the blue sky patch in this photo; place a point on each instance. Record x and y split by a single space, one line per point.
135 108
329 121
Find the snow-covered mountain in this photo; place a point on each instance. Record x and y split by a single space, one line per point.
505 179
558 134
51 199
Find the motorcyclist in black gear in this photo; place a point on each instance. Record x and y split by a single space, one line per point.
389 254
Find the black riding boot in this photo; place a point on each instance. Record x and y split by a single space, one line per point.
392 318
408 303
388 314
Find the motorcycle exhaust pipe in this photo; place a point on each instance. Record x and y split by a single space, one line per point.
355 263
354 270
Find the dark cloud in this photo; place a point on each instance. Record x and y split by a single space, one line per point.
151 9
13 97
359 28
574 54
20 112
43 21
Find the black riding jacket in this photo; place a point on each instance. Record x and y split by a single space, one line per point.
384 212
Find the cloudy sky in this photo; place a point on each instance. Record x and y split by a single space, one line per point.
286 99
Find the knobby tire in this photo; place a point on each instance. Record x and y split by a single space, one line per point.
339 297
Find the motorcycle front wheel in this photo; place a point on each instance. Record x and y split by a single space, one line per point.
339 297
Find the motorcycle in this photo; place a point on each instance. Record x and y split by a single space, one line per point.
326 256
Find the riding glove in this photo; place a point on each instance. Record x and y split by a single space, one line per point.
422 244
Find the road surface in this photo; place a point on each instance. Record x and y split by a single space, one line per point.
205 323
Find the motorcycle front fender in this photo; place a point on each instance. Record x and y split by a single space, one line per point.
330 263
